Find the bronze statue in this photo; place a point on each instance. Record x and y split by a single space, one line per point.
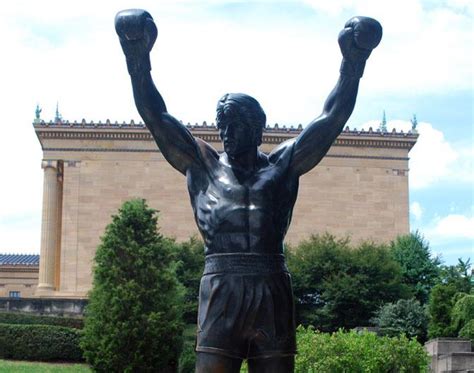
243 200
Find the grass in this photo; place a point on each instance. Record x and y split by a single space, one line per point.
11 366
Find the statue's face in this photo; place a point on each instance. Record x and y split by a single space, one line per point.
236 136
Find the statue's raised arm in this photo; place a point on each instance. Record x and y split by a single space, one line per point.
137 33
356 40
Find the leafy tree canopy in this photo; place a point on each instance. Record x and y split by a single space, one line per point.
420 271
337 285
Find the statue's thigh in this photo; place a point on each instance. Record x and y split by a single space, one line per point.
215 363
285 364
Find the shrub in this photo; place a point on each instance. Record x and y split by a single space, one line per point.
133 319
406 316
39 342
336 285
29 319
357 353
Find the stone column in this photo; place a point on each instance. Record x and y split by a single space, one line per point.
49 229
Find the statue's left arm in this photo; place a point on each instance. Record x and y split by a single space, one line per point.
356 40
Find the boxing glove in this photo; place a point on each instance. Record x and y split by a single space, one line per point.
357 40
137 33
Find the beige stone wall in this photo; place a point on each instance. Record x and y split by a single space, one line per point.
360 189
18 278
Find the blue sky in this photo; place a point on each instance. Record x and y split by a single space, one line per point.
283 53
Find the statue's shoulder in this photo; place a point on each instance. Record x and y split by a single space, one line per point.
207 154
282 153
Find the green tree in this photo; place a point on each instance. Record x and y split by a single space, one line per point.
310 263
133 320
336 285
439 309
459 275
406 316
462 316
455 282
189 258
420 271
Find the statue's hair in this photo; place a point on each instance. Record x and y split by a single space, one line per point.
246 108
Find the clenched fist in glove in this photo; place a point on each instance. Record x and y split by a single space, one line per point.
359 37
137 33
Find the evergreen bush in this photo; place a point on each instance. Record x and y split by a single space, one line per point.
133 319
39 342
30 319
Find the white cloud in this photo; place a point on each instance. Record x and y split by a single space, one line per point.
453 226
431 157
416 210
451 236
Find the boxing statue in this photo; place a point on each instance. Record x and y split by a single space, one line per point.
243 200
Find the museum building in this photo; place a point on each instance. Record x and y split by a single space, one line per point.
360 190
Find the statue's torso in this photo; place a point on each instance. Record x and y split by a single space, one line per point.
239 212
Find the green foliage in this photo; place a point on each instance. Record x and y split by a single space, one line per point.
28 319
420 271
39 342
467 331
133 319
336 285
462 314
406 316
353 352
455 283
189 258
459 276
439 309
187 359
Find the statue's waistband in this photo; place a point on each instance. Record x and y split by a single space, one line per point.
245 263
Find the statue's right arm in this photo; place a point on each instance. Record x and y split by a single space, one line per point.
137 33
174 140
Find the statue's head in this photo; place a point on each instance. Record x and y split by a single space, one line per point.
240 120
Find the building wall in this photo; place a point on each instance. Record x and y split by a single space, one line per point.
18 278
360 189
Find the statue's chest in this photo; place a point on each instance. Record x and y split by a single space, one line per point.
231 199
252 190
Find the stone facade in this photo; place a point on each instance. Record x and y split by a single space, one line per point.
18 275
360 189
450 355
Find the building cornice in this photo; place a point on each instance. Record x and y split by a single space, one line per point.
132 131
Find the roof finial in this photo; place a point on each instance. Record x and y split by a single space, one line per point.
57 117
38 113
383 123
414 123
